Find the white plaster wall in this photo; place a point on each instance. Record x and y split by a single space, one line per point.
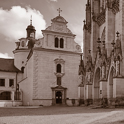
26 85
46 77
20 56
118 85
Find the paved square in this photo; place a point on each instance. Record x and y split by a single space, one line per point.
61 115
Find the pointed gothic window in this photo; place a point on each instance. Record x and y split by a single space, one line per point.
58 68
61 43
56 42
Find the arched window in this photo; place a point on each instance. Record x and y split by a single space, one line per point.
6 95
56 42
23 44
58 68
61 43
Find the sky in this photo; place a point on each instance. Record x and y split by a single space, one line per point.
15 17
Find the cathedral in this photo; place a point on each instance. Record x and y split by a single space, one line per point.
102 67
44 71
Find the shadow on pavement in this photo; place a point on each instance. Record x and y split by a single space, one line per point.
53 110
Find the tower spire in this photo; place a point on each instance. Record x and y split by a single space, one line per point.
88 2
31 20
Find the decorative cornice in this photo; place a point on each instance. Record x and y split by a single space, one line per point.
55 50
60 33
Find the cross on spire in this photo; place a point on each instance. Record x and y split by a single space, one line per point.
89 51
117 34
84 22
59 10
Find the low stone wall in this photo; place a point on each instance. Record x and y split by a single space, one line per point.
41 102
88 102
72 102
116 102
10 103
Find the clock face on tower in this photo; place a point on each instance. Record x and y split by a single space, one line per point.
32 35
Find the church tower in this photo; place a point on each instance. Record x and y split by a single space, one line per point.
22 47
104 70
30 30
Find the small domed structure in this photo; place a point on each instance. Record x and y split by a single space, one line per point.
30 30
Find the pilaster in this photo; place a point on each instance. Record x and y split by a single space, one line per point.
103 89
110 30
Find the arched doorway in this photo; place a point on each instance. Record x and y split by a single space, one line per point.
111 83
58 97
6 95
96 84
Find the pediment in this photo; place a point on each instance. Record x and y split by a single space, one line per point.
59 19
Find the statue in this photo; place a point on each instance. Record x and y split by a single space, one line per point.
103 72
117 67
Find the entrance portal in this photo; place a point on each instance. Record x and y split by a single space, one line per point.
58 97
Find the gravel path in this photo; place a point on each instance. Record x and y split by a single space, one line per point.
61 115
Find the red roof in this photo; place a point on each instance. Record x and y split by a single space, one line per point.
7 65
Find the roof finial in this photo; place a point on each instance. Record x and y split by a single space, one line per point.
117 33
59 10
31 20
84 22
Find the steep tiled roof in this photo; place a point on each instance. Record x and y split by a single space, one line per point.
7 65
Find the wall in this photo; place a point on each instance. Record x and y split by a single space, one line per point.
26 84
44 77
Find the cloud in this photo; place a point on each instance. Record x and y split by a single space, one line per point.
54 0
76 29
13 22
4 55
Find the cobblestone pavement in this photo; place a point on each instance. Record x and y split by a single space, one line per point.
61 115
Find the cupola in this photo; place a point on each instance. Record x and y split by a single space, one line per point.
30 30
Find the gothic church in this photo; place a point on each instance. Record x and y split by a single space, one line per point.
102 69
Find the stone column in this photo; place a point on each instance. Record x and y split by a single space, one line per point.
86 44
88 91
103 89
110 30
94 38
12 95
81 92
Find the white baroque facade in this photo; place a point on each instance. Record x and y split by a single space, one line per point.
49 65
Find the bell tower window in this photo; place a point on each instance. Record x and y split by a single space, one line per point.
58 68
56 42
61 43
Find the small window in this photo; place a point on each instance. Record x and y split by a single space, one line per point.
2 82
23 44
56 42
58 68
61 43
11 82
59 81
